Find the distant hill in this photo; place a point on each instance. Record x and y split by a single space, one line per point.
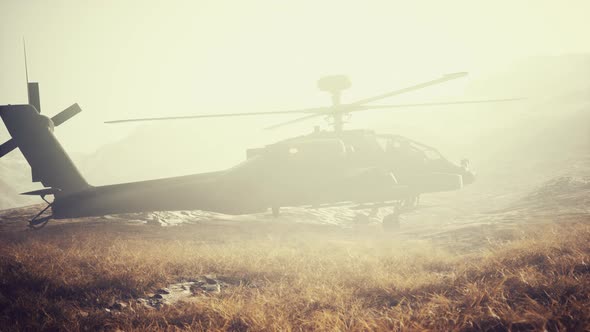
551 136
147 154
547 77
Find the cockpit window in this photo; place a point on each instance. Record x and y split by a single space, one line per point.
388 143
404 145
432 154
383 142
312 150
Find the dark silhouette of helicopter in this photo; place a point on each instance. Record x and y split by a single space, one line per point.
358 168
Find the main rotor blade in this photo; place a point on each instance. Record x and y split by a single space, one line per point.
445 78
294 121
376 107
223 115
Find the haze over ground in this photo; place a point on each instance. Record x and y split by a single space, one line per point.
508 252
139 59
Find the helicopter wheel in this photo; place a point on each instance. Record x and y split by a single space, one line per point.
410 203
276 210
391 222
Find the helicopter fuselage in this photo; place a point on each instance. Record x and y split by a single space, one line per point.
323 168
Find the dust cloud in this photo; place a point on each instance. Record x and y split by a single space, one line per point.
141 59
507 252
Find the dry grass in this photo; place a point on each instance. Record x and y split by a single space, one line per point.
292 278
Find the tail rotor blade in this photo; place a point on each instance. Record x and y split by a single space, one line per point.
7 147
66 114
58 119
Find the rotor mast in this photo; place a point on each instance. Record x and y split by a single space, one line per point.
338 116
335 85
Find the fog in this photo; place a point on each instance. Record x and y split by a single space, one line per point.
127 59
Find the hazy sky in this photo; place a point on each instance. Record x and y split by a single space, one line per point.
121 59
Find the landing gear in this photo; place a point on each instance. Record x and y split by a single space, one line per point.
276 210
38 221
391 222
409 203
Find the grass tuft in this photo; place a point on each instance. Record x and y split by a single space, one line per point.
64 278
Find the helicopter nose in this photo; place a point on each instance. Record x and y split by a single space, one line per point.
466 173
468 177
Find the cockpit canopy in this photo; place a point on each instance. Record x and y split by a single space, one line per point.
400 144
316 149
324 147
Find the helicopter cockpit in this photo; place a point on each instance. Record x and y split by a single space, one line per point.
405 156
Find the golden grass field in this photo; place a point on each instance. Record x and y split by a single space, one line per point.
285 276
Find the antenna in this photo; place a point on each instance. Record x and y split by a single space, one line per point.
26 67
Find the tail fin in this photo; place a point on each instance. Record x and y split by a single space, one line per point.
32 133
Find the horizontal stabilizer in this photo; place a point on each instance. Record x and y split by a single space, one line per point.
66 114
42 192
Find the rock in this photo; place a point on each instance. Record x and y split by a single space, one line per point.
196 288
146 303
212 288
210 280
119 305
163 291
181 291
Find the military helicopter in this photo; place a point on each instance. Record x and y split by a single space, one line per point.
358 168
